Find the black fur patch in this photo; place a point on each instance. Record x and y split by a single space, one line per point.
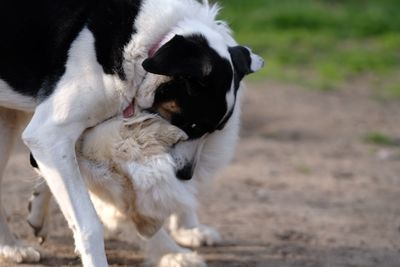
33 162
112 26
200 81
241 60
36 36
182 56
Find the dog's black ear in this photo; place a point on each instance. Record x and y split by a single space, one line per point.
244 61
179 57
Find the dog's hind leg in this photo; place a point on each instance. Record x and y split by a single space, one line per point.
11 249
38 210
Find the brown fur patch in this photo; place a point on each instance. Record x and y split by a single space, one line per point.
146 226
166 109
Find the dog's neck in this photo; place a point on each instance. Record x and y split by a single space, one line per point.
158 21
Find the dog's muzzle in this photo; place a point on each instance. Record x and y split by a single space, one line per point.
186 155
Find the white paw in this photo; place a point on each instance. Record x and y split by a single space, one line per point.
190 259
196 237
19 254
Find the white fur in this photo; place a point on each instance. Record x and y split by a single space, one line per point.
156 181
257 62
157 191
186 259
12 100
19 253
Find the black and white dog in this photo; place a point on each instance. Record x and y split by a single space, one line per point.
75 63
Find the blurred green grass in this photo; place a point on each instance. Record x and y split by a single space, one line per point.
322 44
378 138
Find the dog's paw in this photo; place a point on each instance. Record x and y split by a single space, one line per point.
190 259
37 218
19 254
40 231
196 237
40 228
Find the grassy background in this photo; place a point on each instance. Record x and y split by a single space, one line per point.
322 44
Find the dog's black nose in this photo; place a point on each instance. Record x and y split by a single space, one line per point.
186 173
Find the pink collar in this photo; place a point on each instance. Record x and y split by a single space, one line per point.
154 49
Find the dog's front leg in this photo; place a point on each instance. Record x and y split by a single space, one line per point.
187 231
53 146
161 250
83 97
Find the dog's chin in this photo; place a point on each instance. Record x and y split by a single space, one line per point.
186 155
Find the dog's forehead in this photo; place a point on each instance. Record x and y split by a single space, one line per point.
215 40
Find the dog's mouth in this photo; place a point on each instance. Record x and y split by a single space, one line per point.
129 111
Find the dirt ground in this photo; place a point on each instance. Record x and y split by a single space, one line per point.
303 190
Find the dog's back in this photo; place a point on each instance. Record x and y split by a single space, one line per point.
36 37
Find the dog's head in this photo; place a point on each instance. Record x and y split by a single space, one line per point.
204 71
205 75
